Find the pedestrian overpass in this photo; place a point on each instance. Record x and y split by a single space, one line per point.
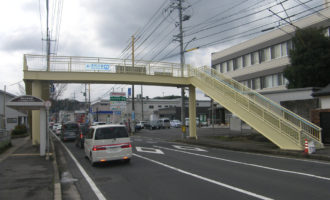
284 128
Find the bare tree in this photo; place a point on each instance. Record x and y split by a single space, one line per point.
21 89
59 90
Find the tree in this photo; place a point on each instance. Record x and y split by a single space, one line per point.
59 90
309 58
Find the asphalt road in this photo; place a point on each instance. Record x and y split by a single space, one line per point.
165 170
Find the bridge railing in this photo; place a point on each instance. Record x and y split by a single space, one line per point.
307 128
105 65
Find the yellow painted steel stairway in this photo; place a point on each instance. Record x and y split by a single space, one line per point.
284 128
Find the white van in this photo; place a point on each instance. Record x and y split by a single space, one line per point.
165 123
106 143
187 121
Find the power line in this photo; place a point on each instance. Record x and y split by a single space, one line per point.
233 20
248 33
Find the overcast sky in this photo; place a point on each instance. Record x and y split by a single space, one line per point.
103 28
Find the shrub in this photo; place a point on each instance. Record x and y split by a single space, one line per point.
19 130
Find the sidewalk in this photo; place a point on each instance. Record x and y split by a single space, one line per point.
24 173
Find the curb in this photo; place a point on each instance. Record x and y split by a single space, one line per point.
262 151
57 182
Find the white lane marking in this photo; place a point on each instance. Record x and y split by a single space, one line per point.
149 150
286 158
205 179
248 164
190 148
91 183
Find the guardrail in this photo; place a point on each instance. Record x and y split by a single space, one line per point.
309 129
105 65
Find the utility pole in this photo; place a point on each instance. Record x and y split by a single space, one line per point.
89 97
4 108
133 107
48 39
183 106
142 117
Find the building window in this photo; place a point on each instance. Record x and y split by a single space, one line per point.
159 106
230 66
254 58
238 63
284 49
245 83
276 51
268 80
327 33
217 67
224 67
246 60
275 80
151 107
264 54
256 84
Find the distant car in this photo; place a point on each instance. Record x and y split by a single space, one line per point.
187 121
98 123
80 138
175 123
58 129
165 123
204 123
140 125
69 131
107 142
55 126
153 124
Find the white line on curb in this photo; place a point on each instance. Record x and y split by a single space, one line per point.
91 183
248 164
206 179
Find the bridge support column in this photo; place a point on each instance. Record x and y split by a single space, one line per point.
37 92
192 112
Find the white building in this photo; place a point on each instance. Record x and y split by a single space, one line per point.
102 112
259 64
10 117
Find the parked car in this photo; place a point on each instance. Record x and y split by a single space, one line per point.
165 123
107 142
175 123
80 138
204 123
153 124
187 122
140 125
69 131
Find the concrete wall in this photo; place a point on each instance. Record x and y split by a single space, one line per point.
325 102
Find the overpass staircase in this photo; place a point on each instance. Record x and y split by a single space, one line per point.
284 128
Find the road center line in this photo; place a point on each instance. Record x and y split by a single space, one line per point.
247 164
205 179
91 183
